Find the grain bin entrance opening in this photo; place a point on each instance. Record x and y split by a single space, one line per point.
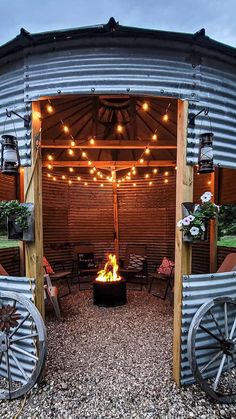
109 185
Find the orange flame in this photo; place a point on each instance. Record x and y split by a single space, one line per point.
110 271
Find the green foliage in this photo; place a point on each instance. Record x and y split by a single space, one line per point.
227 241
227 221
14 209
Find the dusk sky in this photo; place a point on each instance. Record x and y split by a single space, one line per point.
216 16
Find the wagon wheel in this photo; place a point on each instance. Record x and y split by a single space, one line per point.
212 348
22 345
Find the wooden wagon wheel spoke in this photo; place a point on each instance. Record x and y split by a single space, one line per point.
215 376
21 342
216 323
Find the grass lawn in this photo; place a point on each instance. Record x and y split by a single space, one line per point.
227 241
5 243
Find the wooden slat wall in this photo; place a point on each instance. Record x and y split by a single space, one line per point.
227 186
10 260
7 187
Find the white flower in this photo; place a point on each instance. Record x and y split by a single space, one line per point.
180 223
203 227
194 231
206 197
186 221
191 217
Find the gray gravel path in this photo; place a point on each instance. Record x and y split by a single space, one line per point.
113 363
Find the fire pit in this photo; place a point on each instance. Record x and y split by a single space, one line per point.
109 289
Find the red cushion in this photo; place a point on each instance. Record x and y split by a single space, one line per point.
47 266
166 267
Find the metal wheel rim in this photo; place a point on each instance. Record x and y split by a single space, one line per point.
196 321
40 334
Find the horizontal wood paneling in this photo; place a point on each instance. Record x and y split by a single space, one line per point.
7 187
227 187
222 252
10 260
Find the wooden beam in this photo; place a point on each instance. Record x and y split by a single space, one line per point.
183 251
116 219
33 193
214 223
21 198
116 164
110 145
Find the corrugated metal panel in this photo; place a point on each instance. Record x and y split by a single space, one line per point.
26 287
196 290
12 98
10 260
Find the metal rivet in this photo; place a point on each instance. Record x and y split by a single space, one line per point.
92 89
59 92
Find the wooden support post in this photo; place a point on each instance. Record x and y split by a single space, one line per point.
183 250
214 223
116 218
33 193
21 198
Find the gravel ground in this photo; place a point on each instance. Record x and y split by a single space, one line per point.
112 363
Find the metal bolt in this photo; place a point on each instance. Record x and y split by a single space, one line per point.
128 89
92 89
59 92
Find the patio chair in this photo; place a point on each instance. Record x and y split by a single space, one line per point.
163 272
228 264
84 265
134 267
57 275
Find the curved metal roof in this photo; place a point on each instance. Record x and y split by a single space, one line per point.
111 30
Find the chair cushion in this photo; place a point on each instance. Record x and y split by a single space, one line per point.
86 260
166 267
47 266
136 262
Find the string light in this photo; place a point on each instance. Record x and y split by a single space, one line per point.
141 160
134 171
70 182
71 152
49 108
145 106
119 128
71 169
147 150
154 137
134 184
63 177
209 182
72 143
92 141
37 115
147 175
95 179
91 171
49 175
101 185
166 181
89 163
150 183
50 157
54 178
84 154
165 117
65 128
166 173
85 183
49 166
79 178
176 167
155 171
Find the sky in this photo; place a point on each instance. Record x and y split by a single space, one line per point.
216 16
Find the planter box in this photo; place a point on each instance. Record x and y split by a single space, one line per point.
15 232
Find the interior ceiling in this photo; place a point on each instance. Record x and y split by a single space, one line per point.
98 117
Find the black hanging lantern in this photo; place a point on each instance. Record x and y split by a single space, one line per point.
10 159
205 157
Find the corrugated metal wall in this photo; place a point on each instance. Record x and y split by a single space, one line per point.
136 67
196 290
12 78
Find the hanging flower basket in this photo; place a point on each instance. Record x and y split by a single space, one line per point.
194 223
20 220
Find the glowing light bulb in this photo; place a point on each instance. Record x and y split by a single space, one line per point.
166 173
119 180
134 171
176 167
78 178
154 137
154 171
119 128
49 108
145 106
54 178
71 169
101 185
101 175
150 183
49 175
147 175
209 182
65 129
70 182
63 177
71 152
89 163
72 143
85 183
95 179
37 115
118 185
84 154
141 160
92 141
129 173
147 151
134 184
50 157
49 166
166 181
91 171
94 169
165 117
